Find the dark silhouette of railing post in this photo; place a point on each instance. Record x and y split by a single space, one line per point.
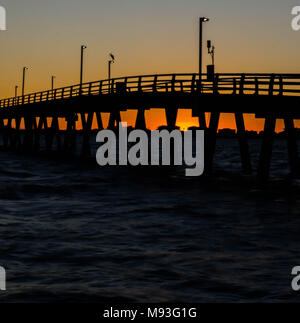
234 86
280 86
154 89
271 85
256 86
216 84
100 87
193 84
173 83
140 89
242 84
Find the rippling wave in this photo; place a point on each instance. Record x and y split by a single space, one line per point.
75 232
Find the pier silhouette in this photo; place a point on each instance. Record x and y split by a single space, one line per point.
268 96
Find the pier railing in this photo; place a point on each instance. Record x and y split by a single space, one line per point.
235 84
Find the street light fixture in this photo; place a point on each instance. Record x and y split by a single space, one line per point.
16 94
23 82
52 85
52 82
111 61
83 47
201 21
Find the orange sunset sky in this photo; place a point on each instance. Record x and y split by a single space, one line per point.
147 37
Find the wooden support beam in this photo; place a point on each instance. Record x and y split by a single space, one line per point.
4 134
99 120
28 135
171 116
48 136
292 145
57 133
202 121
140 119
18 134
198 111
67 135
10 134
87 127
70 134
54 134
73 131
210 141
114 119
266 148
244 150
37 126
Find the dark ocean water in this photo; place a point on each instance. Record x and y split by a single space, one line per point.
72 231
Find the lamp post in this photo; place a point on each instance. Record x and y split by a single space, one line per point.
52 84
16 94
83 47
23 82
201 21
111 61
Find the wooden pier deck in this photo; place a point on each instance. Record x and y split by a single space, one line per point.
267 96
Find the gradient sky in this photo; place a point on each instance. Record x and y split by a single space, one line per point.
146 36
